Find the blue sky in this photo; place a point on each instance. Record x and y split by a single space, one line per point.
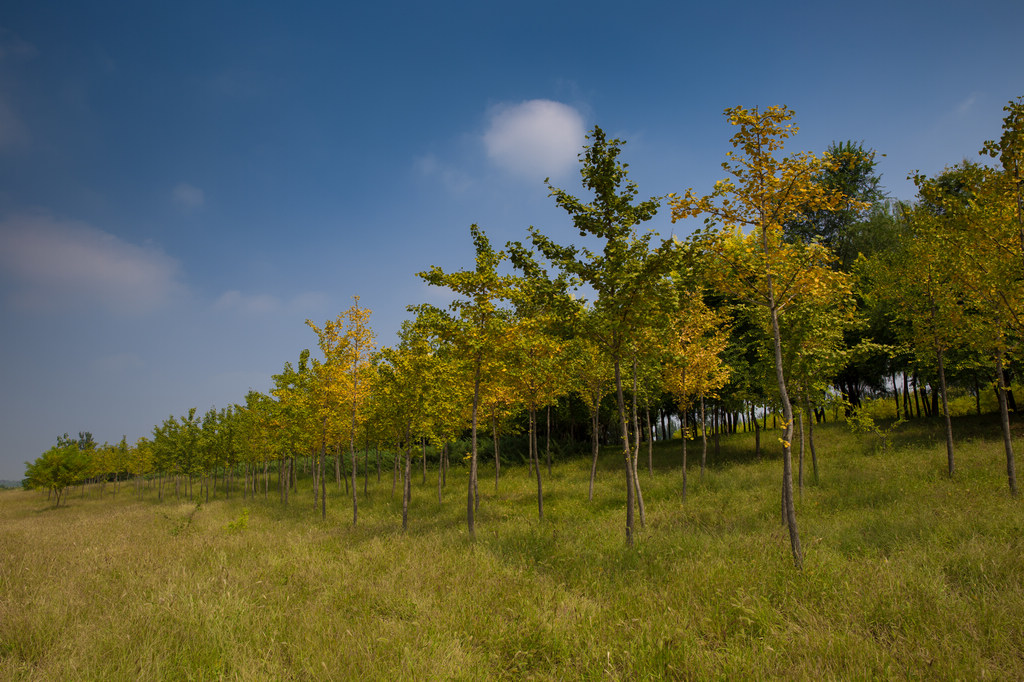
183 184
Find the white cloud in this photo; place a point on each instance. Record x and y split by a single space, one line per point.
188 196
537 138
56 265
268 304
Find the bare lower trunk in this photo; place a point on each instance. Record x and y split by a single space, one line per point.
620 398
536 459
650 442
594 449
547 439
800 468
810 438
407 482
394 472
787 458
471 495
757 433
703 438
1004 414
945 413
497 454
682 432
636 452
355 503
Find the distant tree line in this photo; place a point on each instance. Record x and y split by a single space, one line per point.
806 290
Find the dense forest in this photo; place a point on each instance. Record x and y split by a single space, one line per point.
806 291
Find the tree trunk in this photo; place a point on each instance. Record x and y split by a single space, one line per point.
440 474
682 431
594 447
650 441
757 433
703 438
547 439
636 451
394 472
471 499
1004 415
810 437
407 481
800 467
497 454
355 479
945 412
620 398
535 455
917 401
787 416
896 396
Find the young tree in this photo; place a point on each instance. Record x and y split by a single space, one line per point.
625 275
762 195
475 329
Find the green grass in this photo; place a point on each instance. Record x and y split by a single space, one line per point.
907 575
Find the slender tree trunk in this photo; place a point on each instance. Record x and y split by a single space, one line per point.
594 448
917 401
650 442
440 474
1004 416
497 454
896 396
394 472
423 451
906 398
810 436
945 412
787 416
536 458
717 411
682 432
407 481
547 439
355 479
757 433
626 452
703 438
800 467
471 499
636 451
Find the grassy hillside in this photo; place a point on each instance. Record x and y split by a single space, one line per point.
908 574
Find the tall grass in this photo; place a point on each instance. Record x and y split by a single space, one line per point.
907 575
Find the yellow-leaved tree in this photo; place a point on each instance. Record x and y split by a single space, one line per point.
763 192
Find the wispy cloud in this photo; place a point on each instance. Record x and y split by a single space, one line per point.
188 196
536 138
56 265
269 304
454 180
966 106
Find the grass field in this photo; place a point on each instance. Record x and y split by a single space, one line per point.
907 575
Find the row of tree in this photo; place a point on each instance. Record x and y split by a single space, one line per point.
804 287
